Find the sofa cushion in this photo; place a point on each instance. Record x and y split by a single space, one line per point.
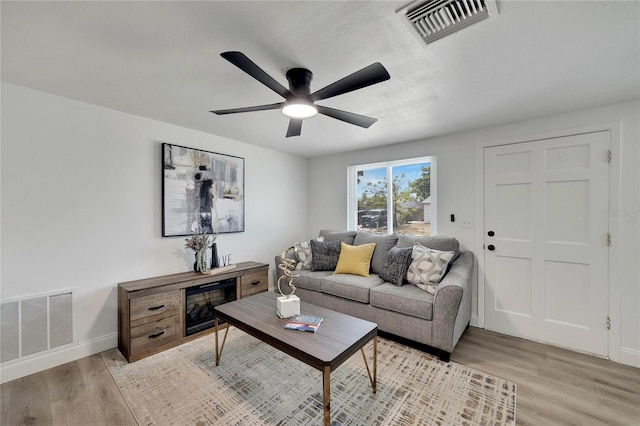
355 260
324 255
309 280
352 287
303 253
435 242
408 299
428 267
343 236
396 265
383 245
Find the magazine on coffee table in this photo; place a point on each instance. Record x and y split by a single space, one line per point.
304 323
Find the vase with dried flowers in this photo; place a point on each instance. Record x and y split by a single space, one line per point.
199 243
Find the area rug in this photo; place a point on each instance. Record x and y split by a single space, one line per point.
256 384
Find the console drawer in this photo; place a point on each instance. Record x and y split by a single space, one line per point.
154 334
154 307
254 283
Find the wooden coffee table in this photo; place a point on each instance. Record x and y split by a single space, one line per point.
338 338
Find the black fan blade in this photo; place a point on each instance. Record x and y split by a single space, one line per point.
374 73
295 127
247 65
347 117
248 109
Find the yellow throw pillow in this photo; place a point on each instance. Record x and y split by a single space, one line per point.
355 260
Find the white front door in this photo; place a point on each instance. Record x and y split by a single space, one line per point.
546 240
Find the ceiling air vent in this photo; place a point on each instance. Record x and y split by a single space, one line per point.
435 19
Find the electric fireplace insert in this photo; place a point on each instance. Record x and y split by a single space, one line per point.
201 300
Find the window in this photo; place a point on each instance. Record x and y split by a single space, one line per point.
407 206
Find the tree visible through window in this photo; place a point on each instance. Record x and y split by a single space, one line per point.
406 206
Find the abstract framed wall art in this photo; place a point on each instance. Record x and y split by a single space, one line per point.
202 192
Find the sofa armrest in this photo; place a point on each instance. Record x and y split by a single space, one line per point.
452 303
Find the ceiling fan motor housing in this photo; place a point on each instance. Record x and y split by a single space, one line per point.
299 101
300 81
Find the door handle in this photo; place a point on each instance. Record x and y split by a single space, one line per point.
491 233
491 247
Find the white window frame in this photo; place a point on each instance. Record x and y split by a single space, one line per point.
352 196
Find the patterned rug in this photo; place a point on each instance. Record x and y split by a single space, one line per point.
258 385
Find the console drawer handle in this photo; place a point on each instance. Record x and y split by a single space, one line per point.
155 308
255 282
153 336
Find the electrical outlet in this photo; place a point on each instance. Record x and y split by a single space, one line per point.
467 222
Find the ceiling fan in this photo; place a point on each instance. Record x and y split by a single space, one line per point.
299 101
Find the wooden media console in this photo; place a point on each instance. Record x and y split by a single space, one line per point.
153 313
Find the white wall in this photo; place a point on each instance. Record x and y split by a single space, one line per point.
459 160
81 209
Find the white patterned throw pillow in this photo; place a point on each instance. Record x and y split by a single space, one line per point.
427 267
302 252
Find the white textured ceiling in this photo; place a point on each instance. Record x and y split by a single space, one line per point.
161 60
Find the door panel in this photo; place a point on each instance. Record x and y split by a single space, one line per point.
546 278
568 216
513 211
513 286
564 282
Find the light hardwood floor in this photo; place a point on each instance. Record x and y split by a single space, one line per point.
555 386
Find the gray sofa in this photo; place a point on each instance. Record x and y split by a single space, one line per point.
436 320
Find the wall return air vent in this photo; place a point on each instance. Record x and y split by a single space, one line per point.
434 19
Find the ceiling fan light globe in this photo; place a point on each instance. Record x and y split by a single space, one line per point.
299 110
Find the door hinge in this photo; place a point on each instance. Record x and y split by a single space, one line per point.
609 156
608 240
608 323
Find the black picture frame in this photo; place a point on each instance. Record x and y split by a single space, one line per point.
202 192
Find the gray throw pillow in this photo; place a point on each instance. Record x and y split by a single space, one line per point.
383 245
396 265
325 255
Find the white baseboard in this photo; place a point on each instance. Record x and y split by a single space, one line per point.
630 357
51 359
474 322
